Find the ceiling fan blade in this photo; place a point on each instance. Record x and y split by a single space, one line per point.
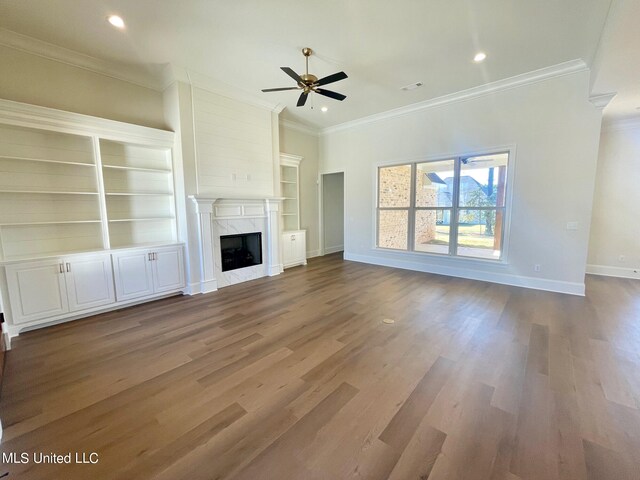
330 94
331 78
292 74
280 89
303 99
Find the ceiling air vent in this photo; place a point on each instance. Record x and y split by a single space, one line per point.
412 86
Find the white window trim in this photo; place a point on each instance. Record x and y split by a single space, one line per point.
504 260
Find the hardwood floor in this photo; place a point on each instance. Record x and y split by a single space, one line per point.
296 377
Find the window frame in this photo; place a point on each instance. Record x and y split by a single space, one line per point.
454 208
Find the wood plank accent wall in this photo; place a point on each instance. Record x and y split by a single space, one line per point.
234 146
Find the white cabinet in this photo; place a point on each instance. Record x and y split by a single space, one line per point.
133 273
36 290
141 273
50 288
294 248
89 282
168 269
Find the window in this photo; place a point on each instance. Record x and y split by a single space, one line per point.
450 207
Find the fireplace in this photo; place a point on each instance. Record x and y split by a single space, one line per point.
241 250
226 218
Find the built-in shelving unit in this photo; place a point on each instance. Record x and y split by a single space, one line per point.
87 216
138 183
293 240
48 193
290 191
67 190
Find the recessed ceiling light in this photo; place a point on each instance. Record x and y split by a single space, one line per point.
324 109
480 57
116 21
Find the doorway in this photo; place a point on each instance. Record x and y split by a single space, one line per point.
332 212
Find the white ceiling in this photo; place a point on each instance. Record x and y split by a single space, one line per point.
381 45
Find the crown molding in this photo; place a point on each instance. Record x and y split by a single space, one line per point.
120 71
175 73
535 76
616 125
299 127
290 159
600 101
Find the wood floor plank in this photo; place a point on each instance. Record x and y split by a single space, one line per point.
297 377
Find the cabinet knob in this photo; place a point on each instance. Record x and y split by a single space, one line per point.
61 268
68 267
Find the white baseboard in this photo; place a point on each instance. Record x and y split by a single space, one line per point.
571 288
313 253
208 286
613 271
337 248
275 270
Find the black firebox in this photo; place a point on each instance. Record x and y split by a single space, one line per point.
239 251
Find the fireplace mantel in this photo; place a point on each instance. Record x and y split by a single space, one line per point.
213 210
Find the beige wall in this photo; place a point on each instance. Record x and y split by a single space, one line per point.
305 145
36 80
614 247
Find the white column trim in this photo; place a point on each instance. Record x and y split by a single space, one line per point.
204 209
274 266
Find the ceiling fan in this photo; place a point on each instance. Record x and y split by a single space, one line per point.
309 83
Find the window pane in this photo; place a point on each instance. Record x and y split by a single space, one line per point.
480 233
434 184
392 228
483 180
432 231
395 186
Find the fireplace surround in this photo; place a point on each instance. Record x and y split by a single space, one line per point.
228 217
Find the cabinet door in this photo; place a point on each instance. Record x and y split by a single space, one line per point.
89 281
287 249
301 247
133 274
168 269
36 290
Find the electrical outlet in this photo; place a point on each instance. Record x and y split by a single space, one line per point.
537 268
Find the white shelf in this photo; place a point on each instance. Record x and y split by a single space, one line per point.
289 182
44 160
61 222
289 214
48 192
148 219
134 194
137 169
